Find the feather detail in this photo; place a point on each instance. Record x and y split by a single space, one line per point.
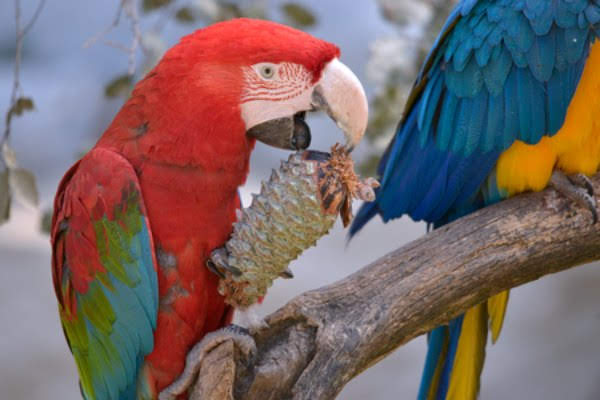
496 308
470 354
437 347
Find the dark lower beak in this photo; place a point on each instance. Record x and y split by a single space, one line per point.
290 133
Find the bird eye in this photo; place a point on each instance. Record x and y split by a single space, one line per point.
267 71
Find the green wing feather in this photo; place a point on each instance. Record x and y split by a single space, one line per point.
104 273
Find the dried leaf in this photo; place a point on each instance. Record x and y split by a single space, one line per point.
185 15
21 105
22 185
298 15
9 156
151 5
206 9
46 222
256 12
120 86
4 197
229 10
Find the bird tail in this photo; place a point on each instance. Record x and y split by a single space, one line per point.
456 352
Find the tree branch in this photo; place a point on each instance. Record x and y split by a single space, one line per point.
323 338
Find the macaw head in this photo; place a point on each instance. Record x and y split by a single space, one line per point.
286 73
250 79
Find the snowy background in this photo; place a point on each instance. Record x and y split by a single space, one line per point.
549 347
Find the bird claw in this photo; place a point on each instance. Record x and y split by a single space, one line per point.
213 268
578 188
242 340
584 181
217 263
251 319
286 274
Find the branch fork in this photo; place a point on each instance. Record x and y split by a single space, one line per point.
320 340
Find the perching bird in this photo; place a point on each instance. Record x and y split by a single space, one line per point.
507 101
137 217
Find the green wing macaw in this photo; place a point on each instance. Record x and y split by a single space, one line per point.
136 219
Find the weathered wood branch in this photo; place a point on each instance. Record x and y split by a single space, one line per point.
323 338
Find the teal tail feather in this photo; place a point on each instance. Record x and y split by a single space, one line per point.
442 345
457 352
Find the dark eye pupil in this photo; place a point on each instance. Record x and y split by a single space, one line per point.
268 71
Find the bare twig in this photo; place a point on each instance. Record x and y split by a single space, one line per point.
16 72
17 90
130 9
168 13
91 41
34 18
320 340
117 45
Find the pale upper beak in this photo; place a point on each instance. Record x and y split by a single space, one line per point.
340 94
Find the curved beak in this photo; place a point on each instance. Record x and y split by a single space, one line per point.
340 94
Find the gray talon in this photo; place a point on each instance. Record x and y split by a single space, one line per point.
287 274
583 181
594 211
218 259
578 188
193 362
236 329
213 268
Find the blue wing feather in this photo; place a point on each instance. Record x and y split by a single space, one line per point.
454 334
488 55
592 13
437 344
105 274
446 122
477 122
494 123
541 57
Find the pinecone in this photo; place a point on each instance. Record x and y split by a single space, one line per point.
298 205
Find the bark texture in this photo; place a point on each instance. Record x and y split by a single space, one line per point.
323 338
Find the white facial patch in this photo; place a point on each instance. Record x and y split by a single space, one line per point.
273 91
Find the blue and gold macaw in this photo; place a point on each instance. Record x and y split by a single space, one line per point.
507 101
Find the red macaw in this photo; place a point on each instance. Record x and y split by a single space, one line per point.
137 217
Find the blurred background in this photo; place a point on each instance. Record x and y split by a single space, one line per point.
549 347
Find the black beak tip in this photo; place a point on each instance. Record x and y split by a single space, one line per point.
291 133
301 137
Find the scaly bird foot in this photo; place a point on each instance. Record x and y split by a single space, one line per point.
578 188
240 337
